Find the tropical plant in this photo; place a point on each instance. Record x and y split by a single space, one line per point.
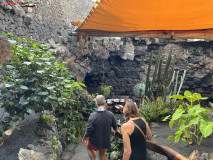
191 119
35 81
154 110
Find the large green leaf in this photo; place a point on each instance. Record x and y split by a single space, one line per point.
187 93
177 96
166 118
197 96
205 117
171 137
38 63
24 87
40 71
68 85
10 66
177 114
23 101
171 123
193 121
43 93
182 127
29 111
27 63
50 87
206 128
9 84
34 98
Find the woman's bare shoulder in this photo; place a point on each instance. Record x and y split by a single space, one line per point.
127 125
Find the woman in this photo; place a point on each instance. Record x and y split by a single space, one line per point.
133 140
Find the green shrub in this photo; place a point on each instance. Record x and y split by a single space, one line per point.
191 119
35 81
156 109
104 90
139 90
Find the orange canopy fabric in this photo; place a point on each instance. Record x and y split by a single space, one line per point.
144 15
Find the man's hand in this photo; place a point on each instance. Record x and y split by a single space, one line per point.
114 131
118 131
84 140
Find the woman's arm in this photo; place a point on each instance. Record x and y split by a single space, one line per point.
126 142
148 130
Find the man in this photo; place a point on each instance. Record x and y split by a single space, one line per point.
98 131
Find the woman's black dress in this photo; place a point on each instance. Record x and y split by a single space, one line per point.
138 142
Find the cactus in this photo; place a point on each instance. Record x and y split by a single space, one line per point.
181 81
148 86
163 78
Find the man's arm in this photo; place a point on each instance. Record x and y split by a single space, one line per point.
89 128
114 125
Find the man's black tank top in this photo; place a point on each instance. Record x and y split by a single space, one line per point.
138 142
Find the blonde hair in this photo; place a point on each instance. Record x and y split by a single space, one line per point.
130 110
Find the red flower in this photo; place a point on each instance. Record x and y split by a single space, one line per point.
91 98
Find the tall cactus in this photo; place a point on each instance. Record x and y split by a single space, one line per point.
163 78
148 89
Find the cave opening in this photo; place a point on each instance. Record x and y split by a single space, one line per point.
93 82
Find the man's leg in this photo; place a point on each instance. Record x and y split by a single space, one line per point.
91 153
102 154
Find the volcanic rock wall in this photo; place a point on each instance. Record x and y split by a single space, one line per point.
122 62
119 62
48 19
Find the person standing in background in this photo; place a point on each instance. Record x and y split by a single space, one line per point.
98 130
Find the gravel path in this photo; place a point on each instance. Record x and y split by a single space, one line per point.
20 138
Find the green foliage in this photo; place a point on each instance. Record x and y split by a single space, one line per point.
35 81
139 90
191 119
48 118
116 145
155 109
55 146
104 90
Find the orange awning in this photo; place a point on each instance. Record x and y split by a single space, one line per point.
126 16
